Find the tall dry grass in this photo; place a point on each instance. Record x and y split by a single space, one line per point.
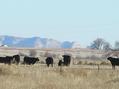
41 77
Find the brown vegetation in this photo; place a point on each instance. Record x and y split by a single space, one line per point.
82 74
41 77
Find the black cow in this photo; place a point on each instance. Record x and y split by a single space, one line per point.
9 60
2 59
16 59
6 60
60 63
30 60
114 61
66 60
49 60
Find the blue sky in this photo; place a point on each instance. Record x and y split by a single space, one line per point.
73 20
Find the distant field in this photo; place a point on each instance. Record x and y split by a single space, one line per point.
77 54
40 77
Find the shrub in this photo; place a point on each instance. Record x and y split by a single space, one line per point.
32 52
80 63
103 63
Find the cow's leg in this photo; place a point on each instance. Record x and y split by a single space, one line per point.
113 67
52 65
47 65
66 64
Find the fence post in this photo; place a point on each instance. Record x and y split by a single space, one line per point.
98 67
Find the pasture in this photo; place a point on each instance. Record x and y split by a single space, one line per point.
40 77
81 74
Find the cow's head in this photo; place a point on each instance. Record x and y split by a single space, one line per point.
109 58
37 59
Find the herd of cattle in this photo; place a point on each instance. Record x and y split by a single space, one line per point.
49 60
32 60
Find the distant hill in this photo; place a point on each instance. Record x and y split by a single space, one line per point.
39 42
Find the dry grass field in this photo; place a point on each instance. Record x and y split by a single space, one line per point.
40 77
82 74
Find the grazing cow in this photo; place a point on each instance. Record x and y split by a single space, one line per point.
49 60
60 63
30 60
66 60
6 60
114 61
2 59
16 59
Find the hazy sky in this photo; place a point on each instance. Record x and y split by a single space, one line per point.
73 20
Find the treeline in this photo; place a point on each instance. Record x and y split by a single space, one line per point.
102 44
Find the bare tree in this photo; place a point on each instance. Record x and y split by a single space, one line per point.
99 44
107 46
